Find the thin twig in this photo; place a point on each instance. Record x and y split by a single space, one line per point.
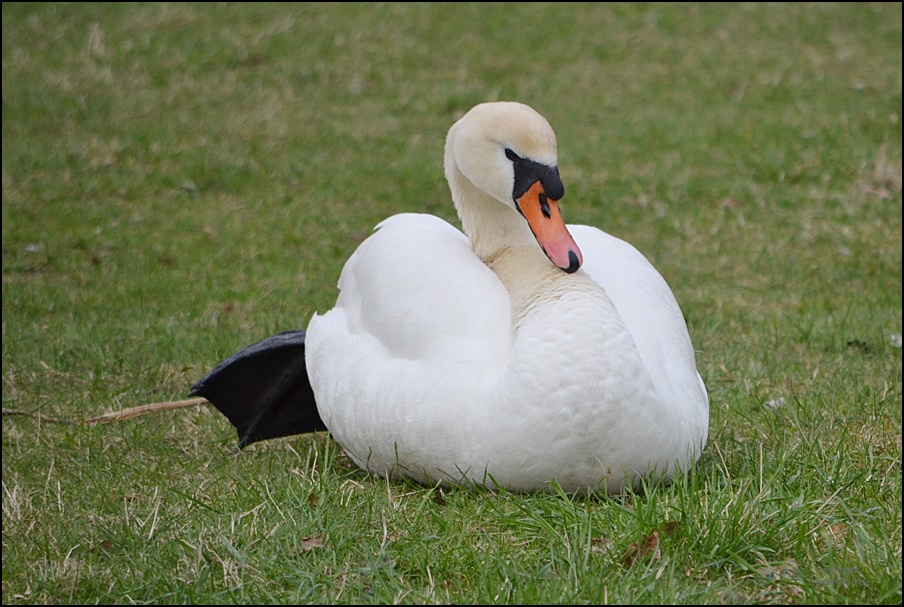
40 416
145 409
116 415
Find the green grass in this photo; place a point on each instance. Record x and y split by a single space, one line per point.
182 180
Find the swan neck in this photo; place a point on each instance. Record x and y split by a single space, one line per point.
491 225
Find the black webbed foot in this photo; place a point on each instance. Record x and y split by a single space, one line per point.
264 390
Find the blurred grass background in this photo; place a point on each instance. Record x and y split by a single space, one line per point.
180 180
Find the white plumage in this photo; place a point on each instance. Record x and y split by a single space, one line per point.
479 359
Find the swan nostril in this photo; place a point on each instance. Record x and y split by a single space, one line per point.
544 205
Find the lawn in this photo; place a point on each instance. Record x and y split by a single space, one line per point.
181 180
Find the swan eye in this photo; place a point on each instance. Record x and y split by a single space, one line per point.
528 172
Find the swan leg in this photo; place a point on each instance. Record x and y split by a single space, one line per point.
264 390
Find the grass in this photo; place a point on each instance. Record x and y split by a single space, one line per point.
180 180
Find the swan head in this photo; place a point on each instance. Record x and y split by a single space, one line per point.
505 152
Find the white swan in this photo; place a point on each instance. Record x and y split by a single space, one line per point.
486 358
452 358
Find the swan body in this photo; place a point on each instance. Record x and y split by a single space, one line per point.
520 353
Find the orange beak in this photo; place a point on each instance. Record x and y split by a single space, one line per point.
545 221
